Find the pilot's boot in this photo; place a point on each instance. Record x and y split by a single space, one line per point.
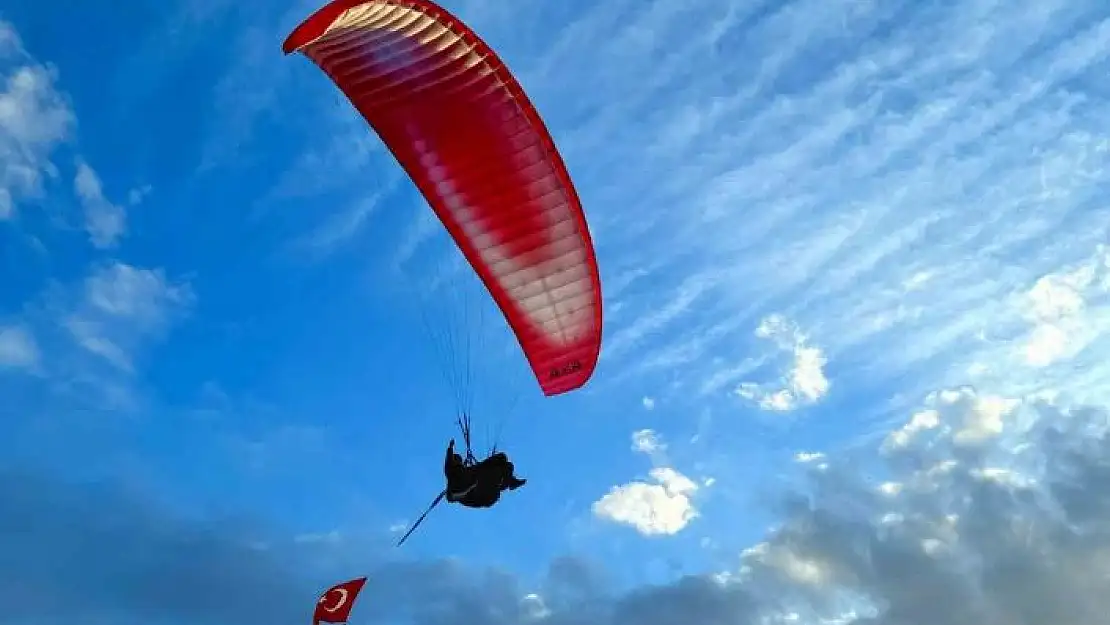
516 482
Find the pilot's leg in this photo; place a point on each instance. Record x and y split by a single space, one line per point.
512 482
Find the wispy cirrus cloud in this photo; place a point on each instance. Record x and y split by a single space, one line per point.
875 173
88 338
899 189
120 306
873 196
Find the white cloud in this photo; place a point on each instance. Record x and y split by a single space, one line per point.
920 422
981 418
647 442
121 307
137 195
18 349
1059 307
340 227
315 538
984 420
141 296
534 607
34 120
804 383
91 336
118 308
662 506
653 509
943 541
87 340
648 403
784 561
105 221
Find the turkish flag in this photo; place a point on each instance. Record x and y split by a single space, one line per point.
335 604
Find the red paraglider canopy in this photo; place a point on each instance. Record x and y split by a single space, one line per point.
460 125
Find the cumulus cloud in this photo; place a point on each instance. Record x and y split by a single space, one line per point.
809 456
958 541
1009 529
1067 310
980 418
662 506
964 539
804 382
648 403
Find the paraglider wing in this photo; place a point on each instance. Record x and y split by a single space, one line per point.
462 128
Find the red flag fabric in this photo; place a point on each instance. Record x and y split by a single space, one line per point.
335 604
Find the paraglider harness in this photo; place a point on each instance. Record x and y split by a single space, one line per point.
470 461
452 468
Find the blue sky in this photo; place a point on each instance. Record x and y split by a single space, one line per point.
856 283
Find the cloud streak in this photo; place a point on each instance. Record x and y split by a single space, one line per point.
120 307
874 172
877 173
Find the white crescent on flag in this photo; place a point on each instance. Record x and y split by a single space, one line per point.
338 604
